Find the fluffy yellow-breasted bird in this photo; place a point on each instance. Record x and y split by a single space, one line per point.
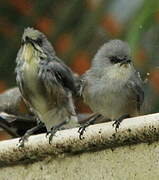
45 82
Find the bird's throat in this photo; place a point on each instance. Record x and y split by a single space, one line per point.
118 72
28 53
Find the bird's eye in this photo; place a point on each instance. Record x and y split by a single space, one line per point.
39 41
116 59
26 38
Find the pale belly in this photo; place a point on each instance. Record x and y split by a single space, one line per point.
30 75
116 105
112 105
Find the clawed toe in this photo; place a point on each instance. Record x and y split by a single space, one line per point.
22 141
81 130
51 133
29 132
54 129
116 124
47 133
83 127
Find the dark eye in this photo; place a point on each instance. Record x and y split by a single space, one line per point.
39 41
116 59
27 38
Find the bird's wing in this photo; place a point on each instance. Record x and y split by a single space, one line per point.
19 80
54 72
136 84
81 82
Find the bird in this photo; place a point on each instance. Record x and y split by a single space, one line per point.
45 82
112 87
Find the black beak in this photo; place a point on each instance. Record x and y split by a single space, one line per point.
28 40
125 61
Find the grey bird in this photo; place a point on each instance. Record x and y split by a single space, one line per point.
112 87
45 83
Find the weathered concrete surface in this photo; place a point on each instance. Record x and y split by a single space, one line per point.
139 162
70 158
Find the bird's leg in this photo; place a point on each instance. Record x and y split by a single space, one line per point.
9 130
54 129
29 133
88 123
118 121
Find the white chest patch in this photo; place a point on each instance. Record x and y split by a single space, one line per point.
117 72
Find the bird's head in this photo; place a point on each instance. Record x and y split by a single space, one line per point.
115 52
37 40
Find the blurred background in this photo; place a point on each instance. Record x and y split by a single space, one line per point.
77 28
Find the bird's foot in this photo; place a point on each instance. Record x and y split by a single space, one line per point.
29 132
22 140
51 133
54 129
82 128
117 122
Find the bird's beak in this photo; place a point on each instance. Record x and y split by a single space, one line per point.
126 61
28 40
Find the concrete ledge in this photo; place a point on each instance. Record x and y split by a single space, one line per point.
143 129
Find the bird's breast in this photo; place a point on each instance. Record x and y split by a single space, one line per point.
30 58
30 72
28 52
118 73
31 82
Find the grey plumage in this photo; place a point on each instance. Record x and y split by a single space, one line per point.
45 82
112 87
10 101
